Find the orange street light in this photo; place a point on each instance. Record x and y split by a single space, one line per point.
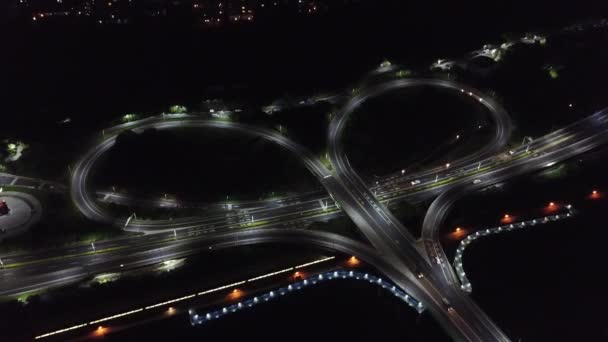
100 331
458 233
353 261
235 294
552 206
506 218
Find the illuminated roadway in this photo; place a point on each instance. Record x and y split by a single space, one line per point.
454 310
88 206
395 254
581 137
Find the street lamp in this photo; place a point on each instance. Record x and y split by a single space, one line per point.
236 293
100 331
595 194
353 261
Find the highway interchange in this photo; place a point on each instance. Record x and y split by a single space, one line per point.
418 266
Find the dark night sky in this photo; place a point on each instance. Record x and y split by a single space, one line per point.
69 69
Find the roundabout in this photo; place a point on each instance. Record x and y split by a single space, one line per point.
22 211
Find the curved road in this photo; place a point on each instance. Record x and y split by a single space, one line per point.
503 126
437 213
24 211
59 271
88 206
395 253
81 195
454 310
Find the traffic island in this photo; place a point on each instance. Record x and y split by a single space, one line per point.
18 212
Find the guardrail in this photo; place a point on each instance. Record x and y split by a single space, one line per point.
458 266
196 319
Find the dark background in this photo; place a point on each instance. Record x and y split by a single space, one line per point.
96 73
88 72
201 165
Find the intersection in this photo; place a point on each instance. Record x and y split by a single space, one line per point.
418 266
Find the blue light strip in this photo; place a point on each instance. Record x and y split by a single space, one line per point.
464 281
197 319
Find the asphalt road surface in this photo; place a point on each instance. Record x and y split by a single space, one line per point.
420 269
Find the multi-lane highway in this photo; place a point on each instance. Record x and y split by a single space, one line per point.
457 314
395 253
557 146
82 198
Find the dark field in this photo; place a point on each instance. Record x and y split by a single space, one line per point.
202 165
545 282
413 128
